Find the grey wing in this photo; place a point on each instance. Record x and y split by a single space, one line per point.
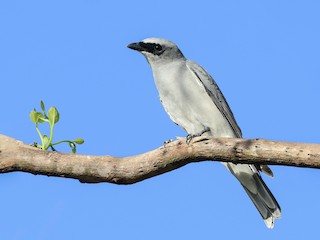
248 175
221 103
215 94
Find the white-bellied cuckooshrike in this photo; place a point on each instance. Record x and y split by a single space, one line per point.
194 101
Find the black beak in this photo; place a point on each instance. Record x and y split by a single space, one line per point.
136 46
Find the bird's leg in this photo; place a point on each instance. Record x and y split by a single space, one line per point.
191 136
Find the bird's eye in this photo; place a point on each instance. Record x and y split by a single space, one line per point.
158 47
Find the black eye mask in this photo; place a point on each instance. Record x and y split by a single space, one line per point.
153 48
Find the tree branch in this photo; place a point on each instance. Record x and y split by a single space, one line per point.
17 156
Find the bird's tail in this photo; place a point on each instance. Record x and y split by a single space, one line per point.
257 190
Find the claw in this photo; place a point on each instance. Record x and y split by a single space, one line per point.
191 136
206 129
168 141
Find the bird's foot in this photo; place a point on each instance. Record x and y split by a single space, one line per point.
168 141
191 136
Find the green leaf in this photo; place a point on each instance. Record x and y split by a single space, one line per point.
41 118
79 141
42 106
53 115
71 144
45 142
34 116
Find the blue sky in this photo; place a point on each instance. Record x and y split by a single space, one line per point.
72 54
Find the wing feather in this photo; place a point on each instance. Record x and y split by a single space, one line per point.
215 94
221 103
248 177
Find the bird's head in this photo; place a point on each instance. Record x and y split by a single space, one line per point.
157 50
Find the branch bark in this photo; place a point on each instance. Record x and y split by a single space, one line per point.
17 156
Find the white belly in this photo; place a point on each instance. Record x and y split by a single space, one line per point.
186 101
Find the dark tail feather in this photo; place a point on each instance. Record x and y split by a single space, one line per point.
257 190
264 201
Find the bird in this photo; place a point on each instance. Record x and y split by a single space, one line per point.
193 101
